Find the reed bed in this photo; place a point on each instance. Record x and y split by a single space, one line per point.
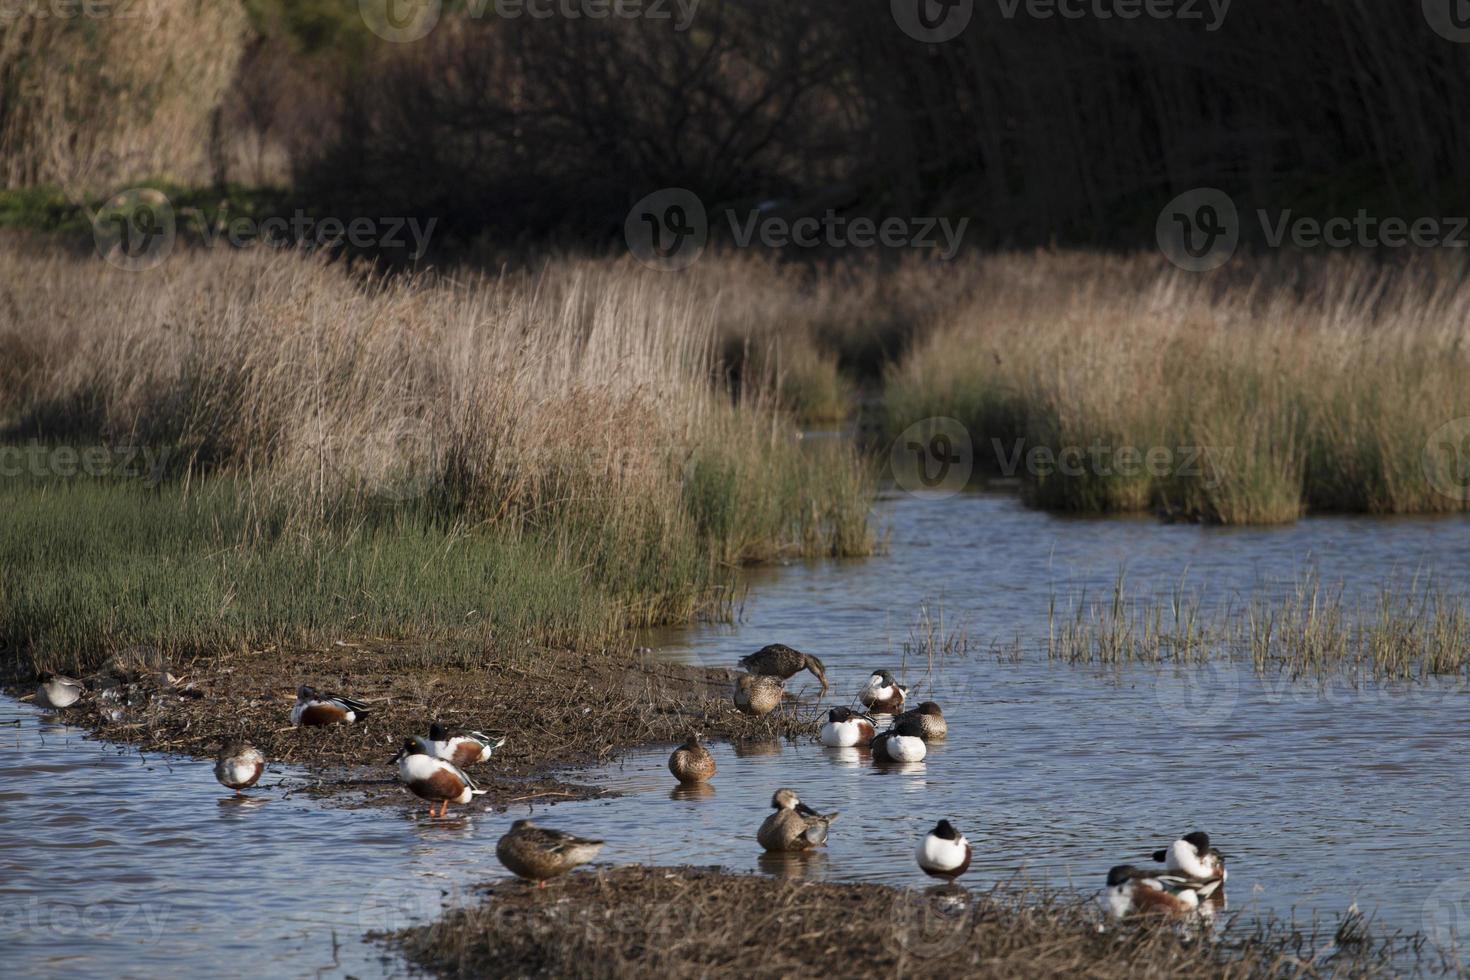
1265 390
569 425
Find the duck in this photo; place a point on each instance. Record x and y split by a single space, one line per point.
1134 891
780 660
758 694
315 709
794 826
431 778
1192 857
56 691
463 746
692 762
239 765
540 853
882 694
931 720
845 727
902 742
944 852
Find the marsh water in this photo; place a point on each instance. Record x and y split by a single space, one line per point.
1320 795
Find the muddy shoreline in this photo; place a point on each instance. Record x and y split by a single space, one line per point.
562 710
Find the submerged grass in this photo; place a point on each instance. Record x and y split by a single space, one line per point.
540 458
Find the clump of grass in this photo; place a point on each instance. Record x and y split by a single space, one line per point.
1122 630
1268 389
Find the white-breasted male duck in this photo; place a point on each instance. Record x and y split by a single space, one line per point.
431 778
315 709
463 746
538 853
1135 891
758 694
692 762
845 727
1192 857
55 691
931 721
902 742
239 765
780 660
944 852
794 826
882 694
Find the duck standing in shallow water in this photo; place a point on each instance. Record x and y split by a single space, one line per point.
55 691
930 719
692 762
882 694
239 765
431 778
903 742
944 852
1134 891
538 853
462 746
314 709
757 694
845 727
780 660
794 826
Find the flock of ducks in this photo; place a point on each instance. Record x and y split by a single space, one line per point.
433 768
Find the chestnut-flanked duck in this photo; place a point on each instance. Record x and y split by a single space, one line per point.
1135 891
431 778
239 766
794 826
845 727
882 694
463 746
539 853
780 660
692 762
315 709
944 852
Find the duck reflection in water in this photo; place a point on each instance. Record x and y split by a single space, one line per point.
795 865
690 792
750 750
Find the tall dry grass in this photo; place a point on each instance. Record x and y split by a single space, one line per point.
1278 387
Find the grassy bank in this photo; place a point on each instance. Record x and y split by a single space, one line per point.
542 458
637 921
1263 391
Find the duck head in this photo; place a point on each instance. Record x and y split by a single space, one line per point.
817 668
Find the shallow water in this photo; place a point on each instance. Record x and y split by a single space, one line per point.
112 863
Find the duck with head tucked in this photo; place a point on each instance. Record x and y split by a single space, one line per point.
780 660
55 691
902 742
1134 891
757 694
315 709
463 746
238 766
540 853
692 762
882 694
944 852
845 727
794 826
932 725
